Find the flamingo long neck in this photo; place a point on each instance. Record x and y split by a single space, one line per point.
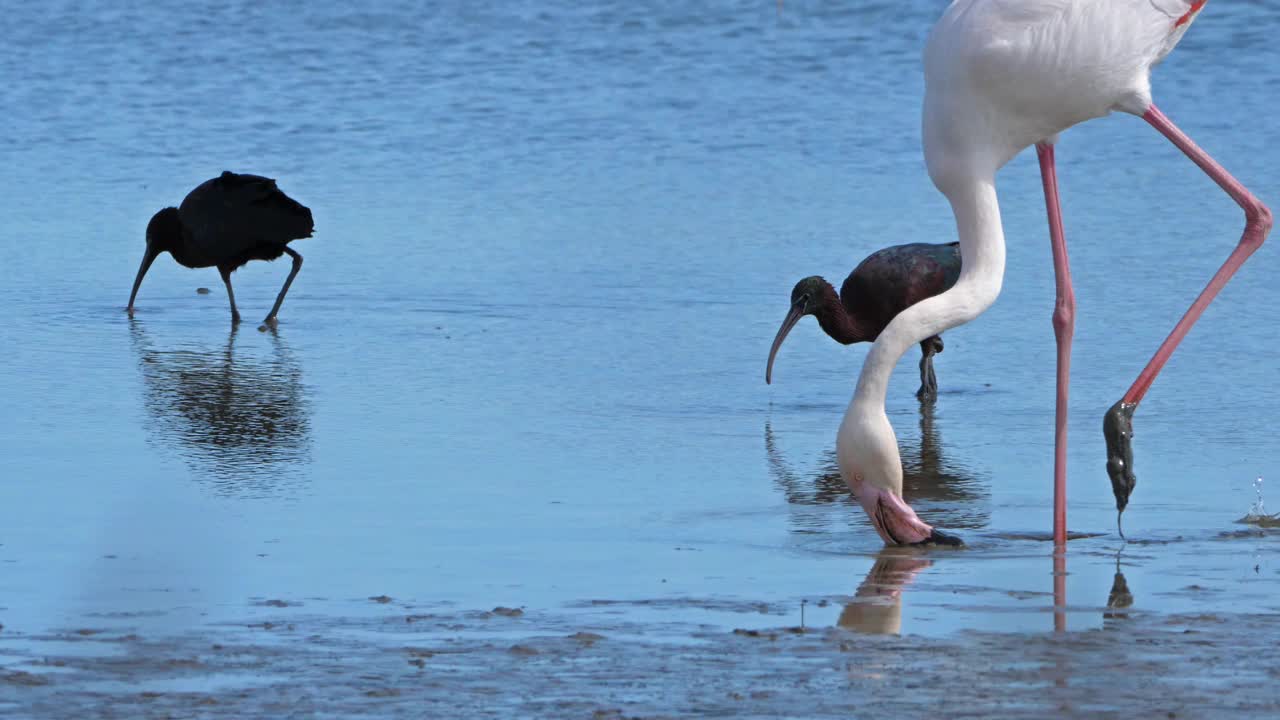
977 211
836 320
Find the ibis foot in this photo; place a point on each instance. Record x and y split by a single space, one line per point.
928 391
1117 430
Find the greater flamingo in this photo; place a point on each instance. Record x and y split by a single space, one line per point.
884 284
1000 76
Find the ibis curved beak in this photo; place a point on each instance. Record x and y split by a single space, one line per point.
793 316
147 259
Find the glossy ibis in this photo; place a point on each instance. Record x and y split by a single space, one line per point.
1000 77
884 284
224 223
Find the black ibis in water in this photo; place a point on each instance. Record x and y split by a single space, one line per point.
884 284
224 223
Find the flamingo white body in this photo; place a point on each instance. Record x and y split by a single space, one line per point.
1001 76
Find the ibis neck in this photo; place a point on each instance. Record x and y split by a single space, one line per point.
837 322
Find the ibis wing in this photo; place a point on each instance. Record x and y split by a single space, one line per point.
890 280
234 217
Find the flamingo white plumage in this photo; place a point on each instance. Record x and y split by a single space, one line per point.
1000 76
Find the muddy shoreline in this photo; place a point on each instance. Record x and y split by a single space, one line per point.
509 662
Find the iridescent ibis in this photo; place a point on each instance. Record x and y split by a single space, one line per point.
884 284
224 223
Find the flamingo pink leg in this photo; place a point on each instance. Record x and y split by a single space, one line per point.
1064 323
1060 590
1257 224
1117 423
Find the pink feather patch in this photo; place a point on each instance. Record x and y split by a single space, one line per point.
1195 8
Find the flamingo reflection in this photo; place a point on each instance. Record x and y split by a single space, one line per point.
876 607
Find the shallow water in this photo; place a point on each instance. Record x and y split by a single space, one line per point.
523 364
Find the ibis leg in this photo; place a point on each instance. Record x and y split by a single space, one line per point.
231 295
1118 422
929 347
297 265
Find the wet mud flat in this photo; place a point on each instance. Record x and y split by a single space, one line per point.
507 662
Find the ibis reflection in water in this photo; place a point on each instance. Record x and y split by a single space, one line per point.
950 490
239 416
224 223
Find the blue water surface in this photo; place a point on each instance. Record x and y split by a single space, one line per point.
524 361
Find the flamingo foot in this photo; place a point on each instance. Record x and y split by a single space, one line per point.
1117 428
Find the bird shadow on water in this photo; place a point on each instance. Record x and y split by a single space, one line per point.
952 496
240 420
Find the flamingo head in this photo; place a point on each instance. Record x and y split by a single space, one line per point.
867 451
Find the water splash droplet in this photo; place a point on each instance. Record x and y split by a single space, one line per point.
1258 512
